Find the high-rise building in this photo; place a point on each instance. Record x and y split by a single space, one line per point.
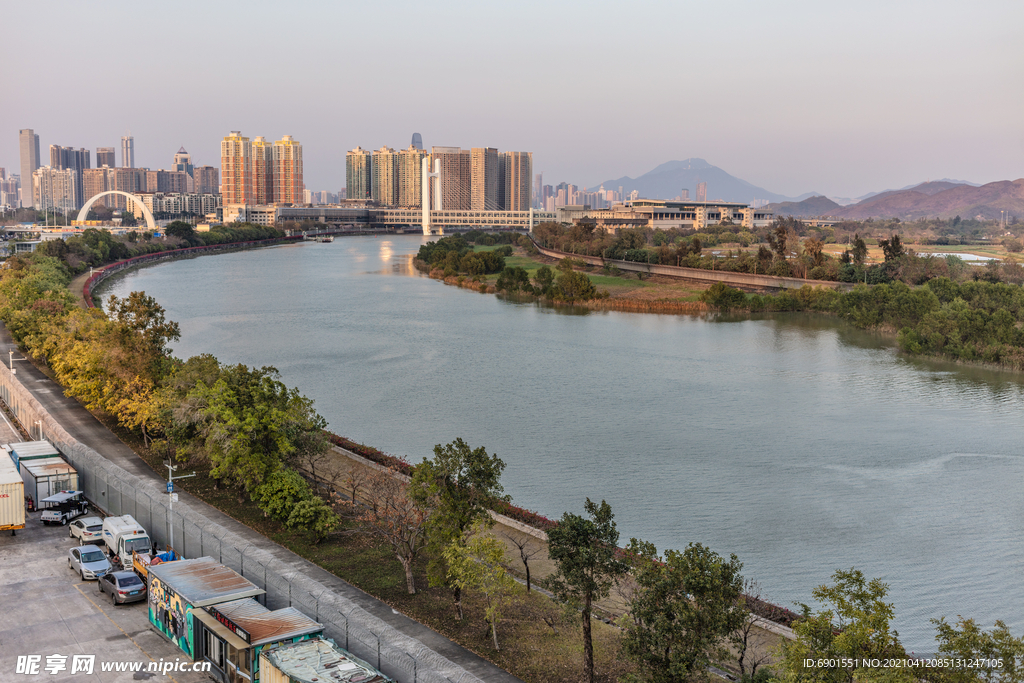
484 179
77 160
359 174
54 188
106 156
456 177
236 169
417 142
28 142
262 171
171 182
410 180
10 189
206 180
385 177
518 173
183 164
128 151
288 182
702 191
686 194
131 180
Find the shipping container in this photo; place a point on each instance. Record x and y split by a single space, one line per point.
47 476
31 450
12 497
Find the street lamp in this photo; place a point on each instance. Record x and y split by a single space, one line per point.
172 496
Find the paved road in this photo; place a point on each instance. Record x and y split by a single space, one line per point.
49 610
83 426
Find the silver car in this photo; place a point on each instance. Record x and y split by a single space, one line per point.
87 530
123 586
89 561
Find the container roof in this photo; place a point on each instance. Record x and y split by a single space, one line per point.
8 471
204 581
319 659
264 626
33 449
43 467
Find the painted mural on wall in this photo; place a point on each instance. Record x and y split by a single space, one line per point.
172 615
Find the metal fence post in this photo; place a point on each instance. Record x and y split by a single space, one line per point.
413 665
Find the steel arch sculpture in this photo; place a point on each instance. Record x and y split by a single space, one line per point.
150 221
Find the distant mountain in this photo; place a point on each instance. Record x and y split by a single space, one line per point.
941 199
945 183
808 208
668 180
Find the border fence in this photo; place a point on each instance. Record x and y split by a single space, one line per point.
119 492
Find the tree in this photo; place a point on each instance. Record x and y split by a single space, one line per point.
684 611
455 485
527 547
278 495
575 286
892 248
585 553
753 645
478 564
180 229
513 279
314 515
544 277
852 627
393 517
966 640
859 253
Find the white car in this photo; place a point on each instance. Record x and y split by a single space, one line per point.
89 561
87 530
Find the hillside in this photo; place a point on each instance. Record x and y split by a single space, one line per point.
669 179
935 200
808 208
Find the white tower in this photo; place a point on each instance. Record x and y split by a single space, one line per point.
425 194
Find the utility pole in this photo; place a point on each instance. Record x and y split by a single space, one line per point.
173 496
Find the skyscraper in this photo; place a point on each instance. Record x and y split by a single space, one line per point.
702 191
410 181
358 174
75 160
28 141
106 156
183 164
518 173
288 183
54 188
236 185
456 177
128 151
262 171
385 176
206 180
417 141
484 179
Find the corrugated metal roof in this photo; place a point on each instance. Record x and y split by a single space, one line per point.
204 581
319 659
8 471
44 467
27 450
264 626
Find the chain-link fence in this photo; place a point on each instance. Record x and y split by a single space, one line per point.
192 534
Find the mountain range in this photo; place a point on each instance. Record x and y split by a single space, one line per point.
944 198
671 178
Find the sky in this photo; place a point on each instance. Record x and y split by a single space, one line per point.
793 96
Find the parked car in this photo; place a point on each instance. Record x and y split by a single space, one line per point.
89 561
88 530
123 586
66 506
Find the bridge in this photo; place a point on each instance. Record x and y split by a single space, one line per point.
83 215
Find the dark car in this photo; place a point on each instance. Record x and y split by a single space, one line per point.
123 586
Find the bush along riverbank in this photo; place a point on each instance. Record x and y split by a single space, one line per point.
979 322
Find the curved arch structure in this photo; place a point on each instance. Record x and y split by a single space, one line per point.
150 221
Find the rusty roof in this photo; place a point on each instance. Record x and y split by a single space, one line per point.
264 626
47 466
204 581
319 659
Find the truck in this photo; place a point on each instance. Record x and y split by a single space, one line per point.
142 561
12 496
63 507
123 535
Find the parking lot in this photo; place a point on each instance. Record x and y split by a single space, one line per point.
49 612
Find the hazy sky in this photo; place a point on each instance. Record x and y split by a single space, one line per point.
793 96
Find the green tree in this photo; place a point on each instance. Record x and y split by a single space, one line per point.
966 640
892 248
478 564
180 229
852 627
455 486
314 515
575 286
684 611
282 490
585 553
859 253
544 277
513 279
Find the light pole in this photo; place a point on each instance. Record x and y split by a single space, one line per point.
172 495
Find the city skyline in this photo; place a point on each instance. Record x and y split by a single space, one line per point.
798 97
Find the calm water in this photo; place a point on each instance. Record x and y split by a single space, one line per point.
796 442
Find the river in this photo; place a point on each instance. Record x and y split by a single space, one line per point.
795 441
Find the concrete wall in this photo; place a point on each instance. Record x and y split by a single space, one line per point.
746 280
119 492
